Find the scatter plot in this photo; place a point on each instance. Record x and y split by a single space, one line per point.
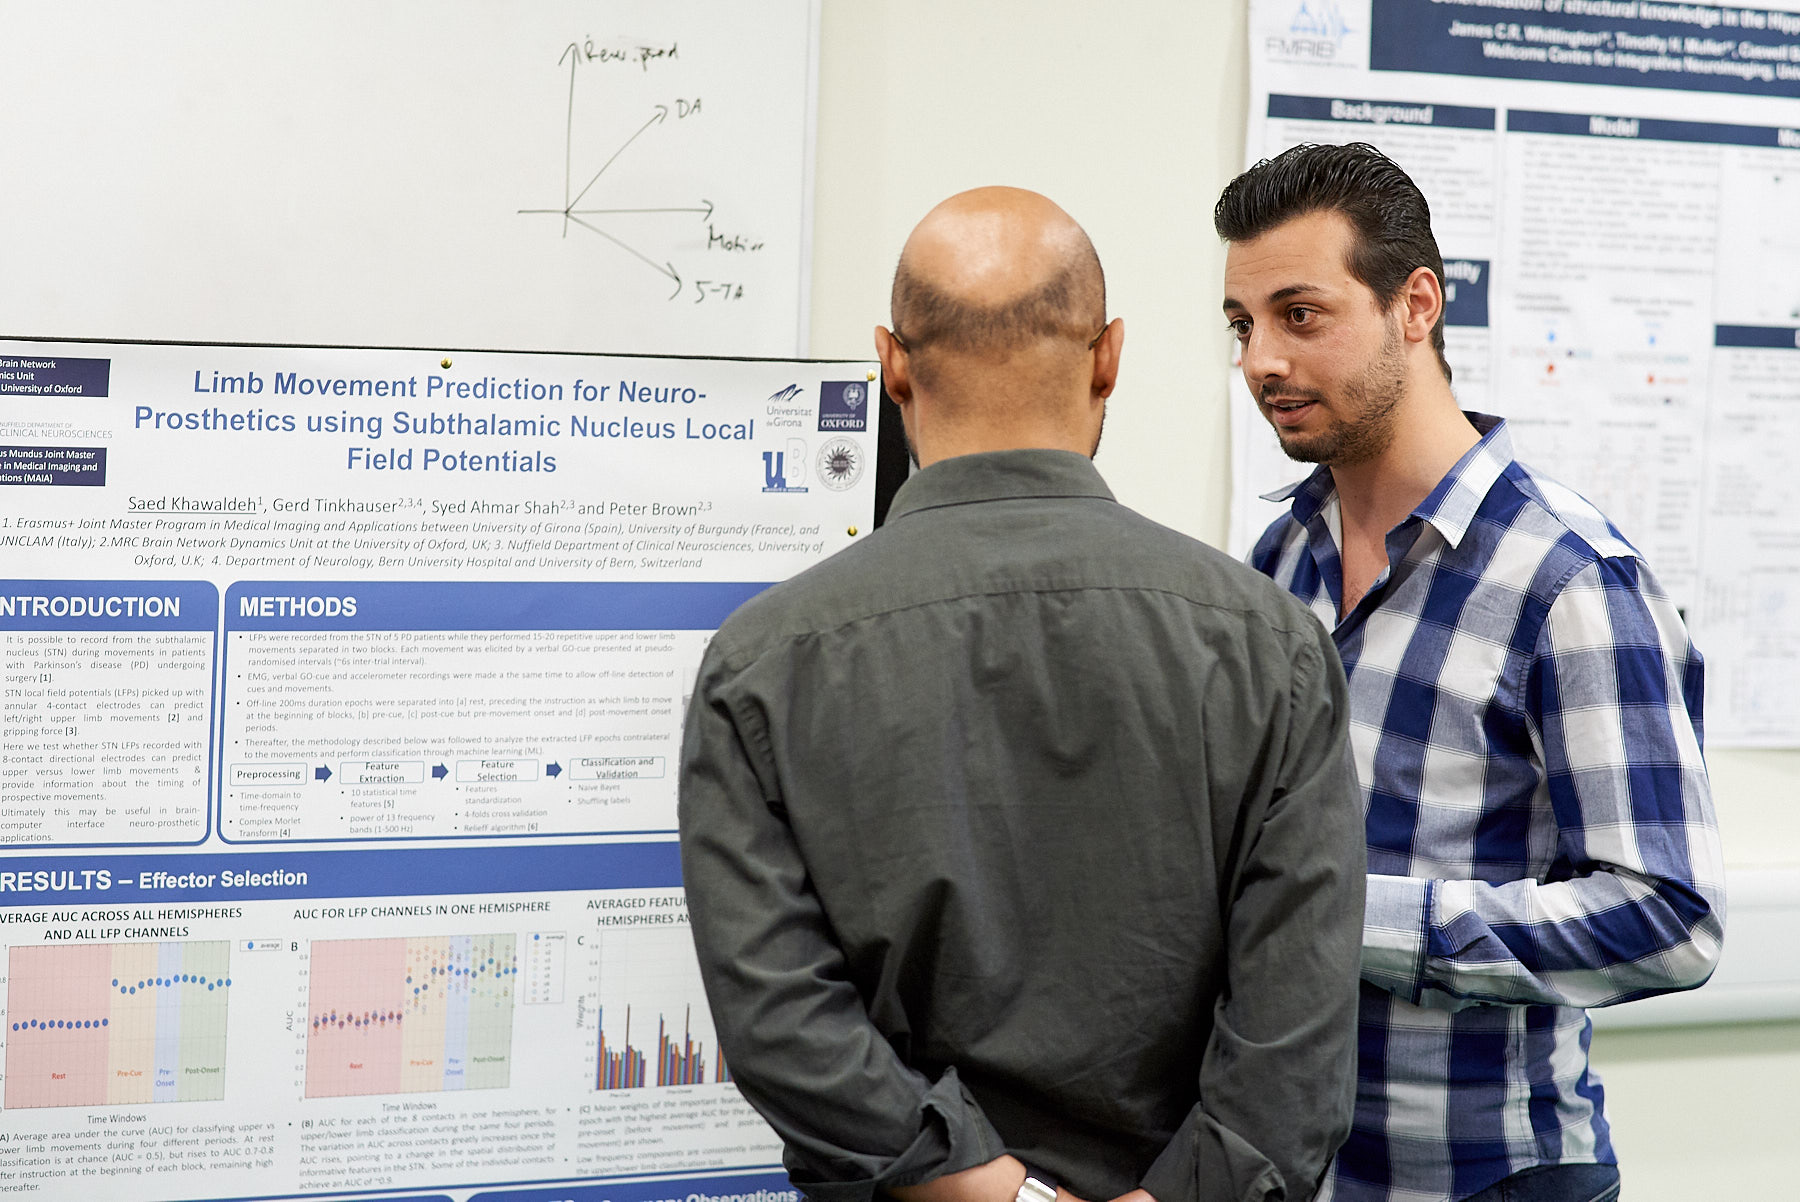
410 1015
116 1024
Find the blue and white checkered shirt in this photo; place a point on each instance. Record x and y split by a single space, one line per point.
1525 717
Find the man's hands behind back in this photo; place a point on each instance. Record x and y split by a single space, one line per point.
996 1181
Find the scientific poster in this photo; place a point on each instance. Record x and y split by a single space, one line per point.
1614 185
343 702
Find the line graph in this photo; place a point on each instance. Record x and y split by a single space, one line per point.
415 1015
597 220
115 1024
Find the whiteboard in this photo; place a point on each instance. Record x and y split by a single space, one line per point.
625 176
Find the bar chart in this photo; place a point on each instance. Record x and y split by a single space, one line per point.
655 1029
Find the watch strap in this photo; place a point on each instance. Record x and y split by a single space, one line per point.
1039 1186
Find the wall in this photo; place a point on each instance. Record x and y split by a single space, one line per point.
1132 118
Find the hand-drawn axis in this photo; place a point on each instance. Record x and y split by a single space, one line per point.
572 215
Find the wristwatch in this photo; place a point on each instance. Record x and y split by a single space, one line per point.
1039 1187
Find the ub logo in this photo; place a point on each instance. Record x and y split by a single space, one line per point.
785 470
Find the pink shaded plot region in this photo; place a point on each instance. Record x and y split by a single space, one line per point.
116 1024
58 998
413 1015
353 1023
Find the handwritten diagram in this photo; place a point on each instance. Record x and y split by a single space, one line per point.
584 209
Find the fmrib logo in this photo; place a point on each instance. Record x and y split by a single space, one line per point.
843 405
840 464
1315 34
785 471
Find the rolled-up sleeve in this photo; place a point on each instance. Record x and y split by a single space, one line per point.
1613 702
1277 1081
792 1026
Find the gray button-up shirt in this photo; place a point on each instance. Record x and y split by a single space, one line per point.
1027 825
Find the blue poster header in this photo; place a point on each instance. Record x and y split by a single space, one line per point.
115 880
1626 43
54 375
55 467
1766 338
1649 129
1379 112
761 1187
1466 292
480 605
107 604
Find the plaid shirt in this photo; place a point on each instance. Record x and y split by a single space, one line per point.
1525 718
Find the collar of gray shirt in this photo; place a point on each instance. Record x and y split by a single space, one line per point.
999 476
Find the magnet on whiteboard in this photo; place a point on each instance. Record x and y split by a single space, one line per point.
851 532
871 377
446 364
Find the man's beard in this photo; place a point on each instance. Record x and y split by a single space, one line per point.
1371 404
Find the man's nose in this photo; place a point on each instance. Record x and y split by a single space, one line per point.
1265 358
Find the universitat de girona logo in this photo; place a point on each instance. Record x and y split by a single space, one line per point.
1315 34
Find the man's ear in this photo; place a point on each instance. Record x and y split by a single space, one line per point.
1107 350
1422 299
896 368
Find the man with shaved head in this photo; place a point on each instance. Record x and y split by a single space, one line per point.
1021 847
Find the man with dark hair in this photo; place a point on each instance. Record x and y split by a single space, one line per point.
1020 839
1525 706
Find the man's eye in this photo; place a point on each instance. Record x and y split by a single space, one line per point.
1239 326
1301 316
